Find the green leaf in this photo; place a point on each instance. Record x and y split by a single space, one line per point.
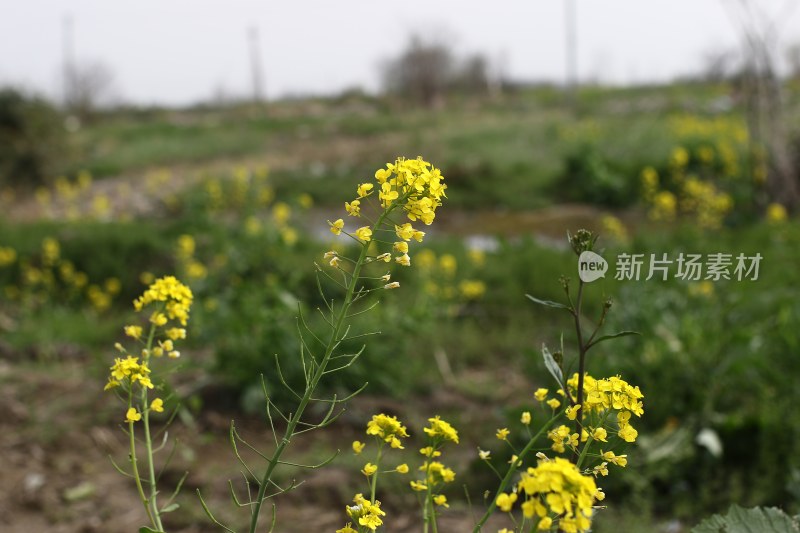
756 520
552 366
169 508
146 529
547 303
614 336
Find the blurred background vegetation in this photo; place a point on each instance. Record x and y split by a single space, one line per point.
233 199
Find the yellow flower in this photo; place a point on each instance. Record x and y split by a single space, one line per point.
364 189
540 394
600 434
405 232
133 415
430 451
628 434
157 405
392 285
441 500
369 469
545 523
336 227
526 418
776 214
484 454
611 457
418 486
553 403
358 447
347 529
364 233
402 469
134 332
176 333
506 501
502 434
442 429
386 427
572 412
353 208
403 260
401 246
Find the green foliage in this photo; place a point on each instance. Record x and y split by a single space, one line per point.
757 520
720 355
33 144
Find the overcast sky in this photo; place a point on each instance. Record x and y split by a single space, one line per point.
181 51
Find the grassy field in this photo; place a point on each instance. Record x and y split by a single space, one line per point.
235 202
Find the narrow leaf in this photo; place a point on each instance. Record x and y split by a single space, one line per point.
171 507
614 336
552 366
547 303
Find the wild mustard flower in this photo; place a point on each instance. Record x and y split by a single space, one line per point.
129 376
506 501
502 434
439 429
133 415
336 226
540 394
388 428
364 233
369 469
557 486
776 214
157 405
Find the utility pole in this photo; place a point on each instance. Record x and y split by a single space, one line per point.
255 65
571 32
68 59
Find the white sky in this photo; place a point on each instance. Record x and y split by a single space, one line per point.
181 51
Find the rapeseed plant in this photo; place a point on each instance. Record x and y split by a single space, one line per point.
168 302
408 188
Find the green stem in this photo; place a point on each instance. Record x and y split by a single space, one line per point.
312 384
581 360
135 467
511 470
374 483
147 439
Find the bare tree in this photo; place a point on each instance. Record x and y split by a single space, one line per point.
88 86
763 96
422 71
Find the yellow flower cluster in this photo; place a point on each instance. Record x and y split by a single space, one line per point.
411 184
614 393
415 183
556 486
776 215
437 473
129 371
365 513
388 428
441 430
176 296
702 199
